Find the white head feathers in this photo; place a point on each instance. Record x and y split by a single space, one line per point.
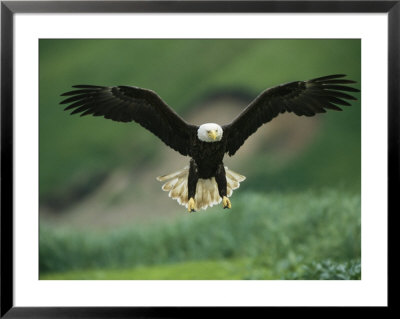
210 132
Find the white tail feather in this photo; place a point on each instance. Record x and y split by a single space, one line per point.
206 191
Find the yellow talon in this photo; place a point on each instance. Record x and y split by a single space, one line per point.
191 205
226 202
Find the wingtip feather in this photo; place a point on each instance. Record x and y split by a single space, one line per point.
328 77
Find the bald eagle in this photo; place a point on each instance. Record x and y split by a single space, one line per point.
206 181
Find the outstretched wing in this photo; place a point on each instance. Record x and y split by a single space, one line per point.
301 97
126 104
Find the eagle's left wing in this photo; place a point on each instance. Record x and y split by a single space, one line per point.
128 103
300 97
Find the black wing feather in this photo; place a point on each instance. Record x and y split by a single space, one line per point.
301 97
126 104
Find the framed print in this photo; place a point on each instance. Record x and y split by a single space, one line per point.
120 193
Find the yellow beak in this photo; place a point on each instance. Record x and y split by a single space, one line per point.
212 134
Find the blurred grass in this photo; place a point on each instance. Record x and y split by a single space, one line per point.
241 269
181 72
277 234
192 270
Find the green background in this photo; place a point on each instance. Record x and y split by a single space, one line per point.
297 215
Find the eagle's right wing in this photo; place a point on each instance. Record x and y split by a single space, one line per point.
300 97
126 104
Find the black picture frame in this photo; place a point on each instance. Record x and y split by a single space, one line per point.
9 8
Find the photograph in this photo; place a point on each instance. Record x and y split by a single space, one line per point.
199 159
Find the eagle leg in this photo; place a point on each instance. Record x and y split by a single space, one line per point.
220 178
193 178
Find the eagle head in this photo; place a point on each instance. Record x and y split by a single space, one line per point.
210 132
